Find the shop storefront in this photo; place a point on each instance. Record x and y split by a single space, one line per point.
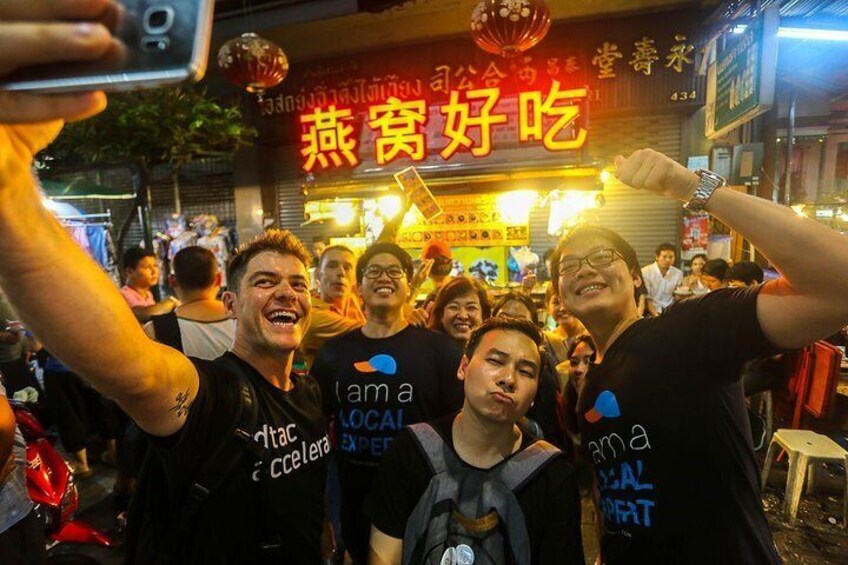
514 150
776 108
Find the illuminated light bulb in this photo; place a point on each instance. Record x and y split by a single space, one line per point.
514 207
345 213
389 206
567 208
411 218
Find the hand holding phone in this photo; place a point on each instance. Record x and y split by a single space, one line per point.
47 32
156 42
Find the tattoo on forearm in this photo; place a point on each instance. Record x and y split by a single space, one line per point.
183 404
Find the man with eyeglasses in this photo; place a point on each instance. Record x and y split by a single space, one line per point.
662 411
379 378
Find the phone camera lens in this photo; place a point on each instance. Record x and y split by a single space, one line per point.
158 20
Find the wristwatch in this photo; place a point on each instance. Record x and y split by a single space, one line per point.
708 183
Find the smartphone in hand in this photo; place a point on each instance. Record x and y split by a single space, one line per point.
157 42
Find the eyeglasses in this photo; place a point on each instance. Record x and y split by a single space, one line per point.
596 259
375 272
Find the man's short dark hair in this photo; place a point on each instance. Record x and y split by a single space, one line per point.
590 231
521 325
665 247
453 289
195 268
337 247
716 268
134 255
518 296
746 271
283 242
384 247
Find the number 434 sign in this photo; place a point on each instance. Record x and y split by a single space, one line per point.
683 95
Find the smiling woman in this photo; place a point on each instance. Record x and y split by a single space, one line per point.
460 307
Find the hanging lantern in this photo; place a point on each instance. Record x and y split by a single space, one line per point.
253 63
508 27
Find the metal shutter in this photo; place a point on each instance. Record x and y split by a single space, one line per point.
292 203
206 187
642 219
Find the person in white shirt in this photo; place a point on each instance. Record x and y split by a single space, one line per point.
662 277
200 327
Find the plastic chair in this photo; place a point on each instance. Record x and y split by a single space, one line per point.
804 448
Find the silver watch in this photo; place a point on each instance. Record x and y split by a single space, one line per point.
708 183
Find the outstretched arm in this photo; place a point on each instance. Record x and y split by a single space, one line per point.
809 301
59 292
144 313
392 227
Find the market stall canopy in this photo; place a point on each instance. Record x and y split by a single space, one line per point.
80 189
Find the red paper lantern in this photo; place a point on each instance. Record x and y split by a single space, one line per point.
508 27
253 63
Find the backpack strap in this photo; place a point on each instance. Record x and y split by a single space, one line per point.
228 455
432 446
526 464
167 329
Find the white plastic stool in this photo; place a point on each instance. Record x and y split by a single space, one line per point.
804 447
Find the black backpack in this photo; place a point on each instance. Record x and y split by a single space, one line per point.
154 532
471 516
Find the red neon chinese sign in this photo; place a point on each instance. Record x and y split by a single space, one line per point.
328 138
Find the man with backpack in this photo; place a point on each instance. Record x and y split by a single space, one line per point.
473 487
236 471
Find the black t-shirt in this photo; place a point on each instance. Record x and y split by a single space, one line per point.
663 420
550 501
282 500
373 388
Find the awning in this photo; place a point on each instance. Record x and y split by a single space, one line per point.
82 189
468 180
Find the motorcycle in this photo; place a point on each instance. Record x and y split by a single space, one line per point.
50 484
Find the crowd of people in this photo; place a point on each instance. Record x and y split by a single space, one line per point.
456 434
